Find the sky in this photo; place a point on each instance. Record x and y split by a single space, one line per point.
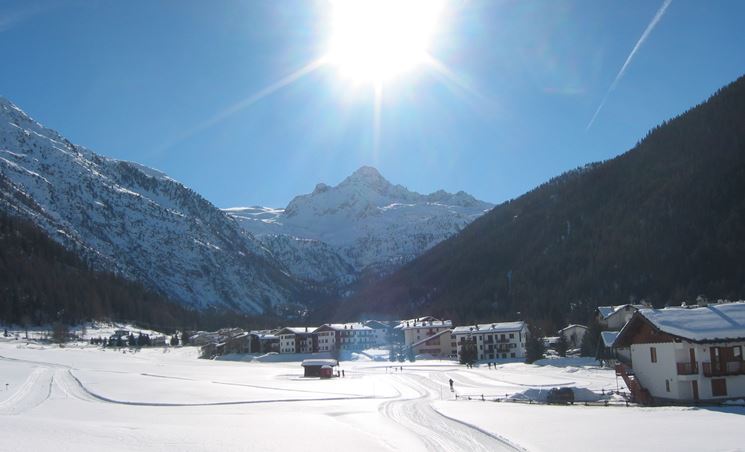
229 97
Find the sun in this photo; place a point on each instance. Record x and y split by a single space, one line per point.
377 40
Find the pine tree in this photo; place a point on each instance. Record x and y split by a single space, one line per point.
468 353
562 346
534 349
590 340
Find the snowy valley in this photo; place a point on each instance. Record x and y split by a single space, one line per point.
84 398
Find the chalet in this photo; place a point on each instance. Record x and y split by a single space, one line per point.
613 318
344 336
494 340
297 339
319 367
685 354
573 335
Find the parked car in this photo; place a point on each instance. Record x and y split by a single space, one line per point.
561 396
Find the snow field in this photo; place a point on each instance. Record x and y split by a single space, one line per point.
85 398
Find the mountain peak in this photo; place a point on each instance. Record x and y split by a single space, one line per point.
366 175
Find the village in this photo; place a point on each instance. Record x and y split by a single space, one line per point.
676 355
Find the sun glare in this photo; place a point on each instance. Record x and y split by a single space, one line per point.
376 40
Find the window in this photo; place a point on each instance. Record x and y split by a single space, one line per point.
737 353
653 354
667 385
512 335
512 355
718 387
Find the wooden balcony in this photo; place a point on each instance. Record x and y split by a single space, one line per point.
724 369
687 368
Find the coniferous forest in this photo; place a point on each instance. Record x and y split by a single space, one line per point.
42 283
664 223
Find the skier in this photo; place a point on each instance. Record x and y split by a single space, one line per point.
451 385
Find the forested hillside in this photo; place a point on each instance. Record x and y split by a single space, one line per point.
664 222
41 283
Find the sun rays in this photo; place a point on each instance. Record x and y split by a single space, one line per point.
371 43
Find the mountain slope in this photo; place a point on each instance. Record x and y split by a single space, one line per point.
135 221
663 222
43 283
363 224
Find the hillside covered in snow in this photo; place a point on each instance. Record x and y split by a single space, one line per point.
364 224
135 221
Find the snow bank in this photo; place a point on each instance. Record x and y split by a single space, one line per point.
541 395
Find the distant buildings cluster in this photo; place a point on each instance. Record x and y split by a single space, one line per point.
419 336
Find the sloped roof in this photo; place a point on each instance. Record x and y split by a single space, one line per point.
705 324
346 326
608 337
503 327
572 326
607 311
297 330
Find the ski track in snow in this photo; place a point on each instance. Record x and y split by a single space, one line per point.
436 431
33 392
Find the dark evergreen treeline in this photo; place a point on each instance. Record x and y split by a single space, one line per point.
42 283
664 222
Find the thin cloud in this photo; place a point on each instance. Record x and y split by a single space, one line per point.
657 17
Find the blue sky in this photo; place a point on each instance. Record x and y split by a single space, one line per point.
144 80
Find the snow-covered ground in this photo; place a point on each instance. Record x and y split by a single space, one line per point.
84 398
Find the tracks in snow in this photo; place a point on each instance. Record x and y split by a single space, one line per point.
34 391
438 432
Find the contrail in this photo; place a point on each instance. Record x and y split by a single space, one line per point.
645 35
233 109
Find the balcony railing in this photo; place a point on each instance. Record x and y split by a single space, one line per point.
724 369
687 368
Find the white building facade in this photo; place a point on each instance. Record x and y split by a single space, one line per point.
688 355
494 340
417 330
344 336
297 340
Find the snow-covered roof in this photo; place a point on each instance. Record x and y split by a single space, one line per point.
297 330
608 337
319 362
425 324
711 323
569 327
419 320
346 326
607 311
503 327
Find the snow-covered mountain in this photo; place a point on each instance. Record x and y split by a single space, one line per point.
133 220
363 224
